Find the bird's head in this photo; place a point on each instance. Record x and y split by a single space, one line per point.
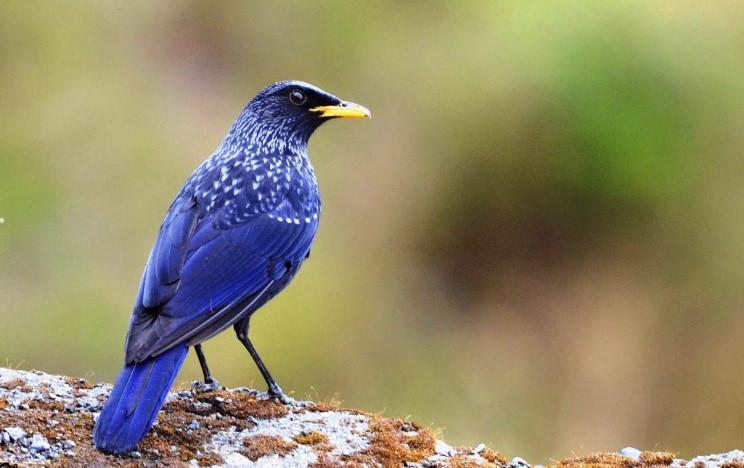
291 110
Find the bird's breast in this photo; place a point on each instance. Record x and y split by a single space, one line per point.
235 192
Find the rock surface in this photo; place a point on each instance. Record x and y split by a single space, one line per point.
48 419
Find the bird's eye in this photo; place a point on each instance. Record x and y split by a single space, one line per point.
297 97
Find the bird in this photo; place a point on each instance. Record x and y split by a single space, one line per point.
235 235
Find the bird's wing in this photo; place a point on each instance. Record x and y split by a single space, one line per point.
202 275
162 274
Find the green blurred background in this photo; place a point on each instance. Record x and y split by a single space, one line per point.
537 242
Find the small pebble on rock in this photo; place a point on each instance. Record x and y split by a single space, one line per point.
14 433
632 453
518 462
442 448
39 443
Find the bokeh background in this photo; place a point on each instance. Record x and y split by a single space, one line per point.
537 242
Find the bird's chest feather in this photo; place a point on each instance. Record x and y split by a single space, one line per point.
234 192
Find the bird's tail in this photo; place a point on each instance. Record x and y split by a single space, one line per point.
134 402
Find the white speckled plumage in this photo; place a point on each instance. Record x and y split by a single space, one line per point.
260 164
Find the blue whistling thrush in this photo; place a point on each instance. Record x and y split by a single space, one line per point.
234 237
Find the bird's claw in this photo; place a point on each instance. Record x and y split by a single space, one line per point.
252 392
289 401
203 387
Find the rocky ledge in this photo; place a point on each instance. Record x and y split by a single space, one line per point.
48 419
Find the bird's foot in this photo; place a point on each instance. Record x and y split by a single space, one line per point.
209 385
275 395
289 401
251 392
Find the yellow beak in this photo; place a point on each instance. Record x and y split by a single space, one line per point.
347 110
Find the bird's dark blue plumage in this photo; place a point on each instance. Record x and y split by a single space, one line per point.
234 237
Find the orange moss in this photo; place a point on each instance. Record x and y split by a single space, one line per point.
78 384
175 420
394 442
209 459
259 446
657 458
464 461
242 405
617 460
324 406
311 438
494 457
14 383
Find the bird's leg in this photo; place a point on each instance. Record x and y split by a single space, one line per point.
203 363
209 382
241 329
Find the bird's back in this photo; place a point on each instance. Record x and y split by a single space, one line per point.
234 237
